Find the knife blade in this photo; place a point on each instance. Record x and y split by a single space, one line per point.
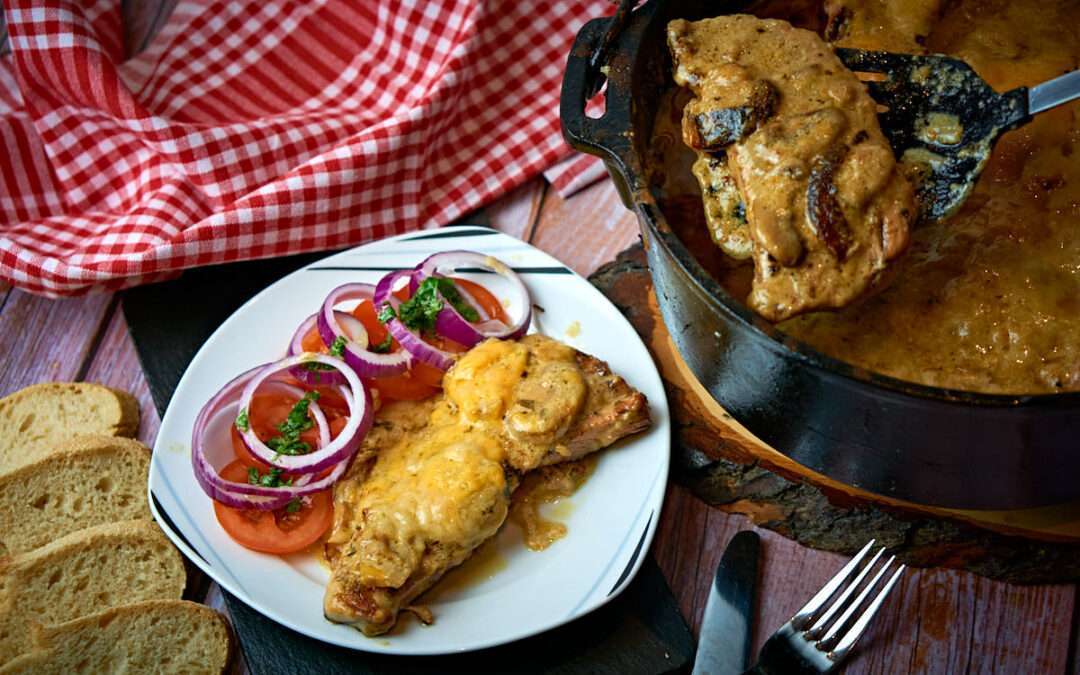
724 644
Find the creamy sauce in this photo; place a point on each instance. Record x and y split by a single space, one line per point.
485 563
888 25
988 300
551 485
777 116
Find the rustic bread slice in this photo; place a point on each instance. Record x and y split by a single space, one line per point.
157 636
90 481
85 572
35 420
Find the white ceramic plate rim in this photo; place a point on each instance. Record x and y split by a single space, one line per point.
647 379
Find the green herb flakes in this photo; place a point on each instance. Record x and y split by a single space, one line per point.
297 422
271 479
420 311
337 348
386 313
384 346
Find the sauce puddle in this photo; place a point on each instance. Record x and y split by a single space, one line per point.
549 485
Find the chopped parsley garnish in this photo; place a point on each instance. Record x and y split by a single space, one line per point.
316 367
337 347
420 311
386 313
293 506
271 479
384 346
297 422
242 421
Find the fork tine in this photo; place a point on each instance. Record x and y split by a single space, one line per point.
833 635
822 623
844 646
804 615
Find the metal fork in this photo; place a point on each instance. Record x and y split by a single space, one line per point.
822 634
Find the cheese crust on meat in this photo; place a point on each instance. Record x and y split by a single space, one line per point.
445 468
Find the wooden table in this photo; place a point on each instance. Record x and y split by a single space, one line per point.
937 621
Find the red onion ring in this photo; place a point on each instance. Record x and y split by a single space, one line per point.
353 327
451 324
365 362
238 492
322 378
206 476
410 341
339 449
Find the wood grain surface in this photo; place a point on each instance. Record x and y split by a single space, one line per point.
938 621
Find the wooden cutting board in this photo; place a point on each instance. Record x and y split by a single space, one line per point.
727 466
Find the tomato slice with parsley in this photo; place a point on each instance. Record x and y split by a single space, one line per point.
488 302
422 380
281 531
269 410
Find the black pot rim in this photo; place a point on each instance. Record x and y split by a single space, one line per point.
624 160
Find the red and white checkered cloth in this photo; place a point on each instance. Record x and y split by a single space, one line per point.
260 128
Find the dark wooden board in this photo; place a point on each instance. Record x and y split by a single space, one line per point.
715 459
640 632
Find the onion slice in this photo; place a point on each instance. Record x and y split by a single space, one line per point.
339 449
451 324
205 474
365 362
353 329
225 405
410 341
237 494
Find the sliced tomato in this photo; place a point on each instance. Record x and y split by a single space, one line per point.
429 375
403 387
278 531
422 380
313 342
243 455
269 410
332 403
365 313
487 301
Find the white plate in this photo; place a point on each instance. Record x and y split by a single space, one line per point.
610 526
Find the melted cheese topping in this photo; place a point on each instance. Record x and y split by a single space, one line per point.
445 482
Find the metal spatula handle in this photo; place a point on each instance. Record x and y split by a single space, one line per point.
1054 92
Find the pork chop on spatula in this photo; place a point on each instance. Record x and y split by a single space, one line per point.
943 119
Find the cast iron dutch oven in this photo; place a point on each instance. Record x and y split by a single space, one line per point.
898 439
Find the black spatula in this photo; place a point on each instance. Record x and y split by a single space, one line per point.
944 119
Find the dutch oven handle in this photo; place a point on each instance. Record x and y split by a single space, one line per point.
584 78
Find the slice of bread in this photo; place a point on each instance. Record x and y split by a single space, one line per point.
90 481
158 636
85 572
35 420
